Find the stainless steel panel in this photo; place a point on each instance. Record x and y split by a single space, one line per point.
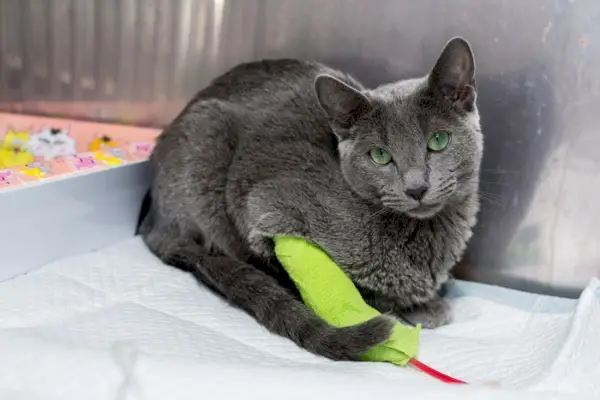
138 61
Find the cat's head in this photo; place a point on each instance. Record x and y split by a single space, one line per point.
413 146
50 143
14 138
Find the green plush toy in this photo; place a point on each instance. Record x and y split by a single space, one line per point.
332 296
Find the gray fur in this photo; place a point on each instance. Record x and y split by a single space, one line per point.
281 147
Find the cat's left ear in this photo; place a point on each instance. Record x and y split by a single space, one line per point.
453 77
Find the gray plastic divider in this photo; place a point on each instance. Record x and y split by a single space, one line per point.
50 220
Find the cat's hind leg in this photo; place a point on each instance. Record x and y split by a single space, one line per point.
263 298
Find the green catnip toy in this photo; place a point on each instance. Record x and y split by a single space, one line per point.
331 295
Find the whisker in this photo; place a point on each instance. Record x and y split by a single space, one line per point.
450 186
442 194
494 200
449 180
500 171
458 166
495 183
484 193
464 176
379 212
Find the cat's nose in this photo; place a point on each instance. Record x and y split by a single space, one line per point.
417 192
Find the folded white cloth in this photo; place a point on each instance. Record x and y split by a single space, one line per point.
117 324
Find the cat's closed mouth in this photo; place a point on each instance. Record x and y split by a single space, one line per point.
425 210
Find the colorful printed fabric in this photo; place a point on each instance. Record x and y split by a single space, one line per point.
36 148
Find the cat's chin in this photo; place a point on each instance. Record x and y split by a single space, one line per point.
425 211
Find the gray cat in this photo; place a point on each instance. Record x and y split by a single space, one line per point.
384 180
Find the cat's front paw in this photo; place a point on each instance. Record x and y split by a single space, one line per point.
431 315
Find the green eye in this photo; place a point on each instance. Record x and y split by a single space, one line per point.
438 141
380 156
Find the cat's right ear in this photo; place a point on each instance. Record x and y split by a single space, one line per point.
342 103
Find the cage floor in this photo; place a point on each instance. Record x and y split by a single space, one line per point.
117 319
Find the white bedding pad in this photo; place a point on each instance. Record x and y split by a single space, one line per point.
117 324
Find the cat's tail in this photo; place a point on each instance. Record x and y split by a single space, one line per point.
144 223
270 304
